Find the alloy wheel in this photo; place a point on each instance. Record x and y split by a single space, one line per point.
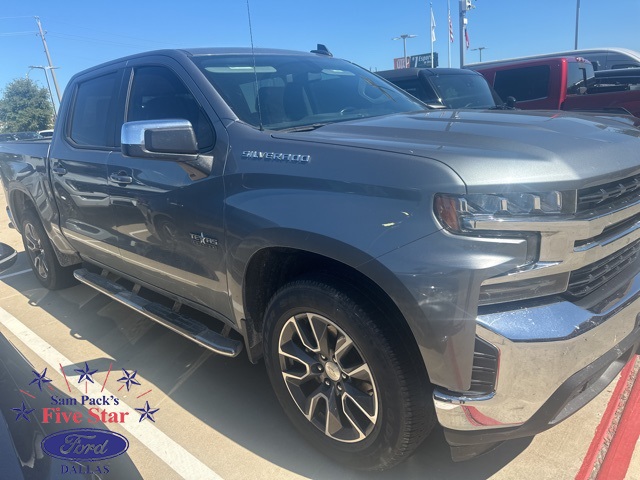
327 377
36 251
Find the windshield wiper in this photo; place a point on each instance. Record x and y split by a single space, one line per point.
304 128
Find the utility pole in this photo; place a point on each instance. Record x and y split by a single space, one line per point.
479 49
51 67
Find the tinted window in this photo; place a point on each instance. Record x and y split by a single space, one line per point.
463 91
92 117
599 60
618 60
414 87
527 83
577 73
157 93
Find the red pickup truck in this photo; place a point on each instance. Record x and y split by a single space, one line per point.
559 83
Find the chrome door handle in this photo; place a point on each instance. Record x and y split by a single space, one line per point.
59 170
119 178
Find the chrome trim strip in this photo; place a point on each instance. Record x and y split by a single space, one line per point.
558 253
607 241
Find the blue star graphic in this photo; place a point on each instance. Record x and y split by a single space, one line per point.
40 378
85 374
147 412
129 379
23 412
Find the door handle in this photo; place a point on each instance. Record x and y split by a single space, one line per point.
59 170
120 178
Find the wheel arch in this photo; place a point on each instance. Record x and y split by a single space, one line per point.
19 202
269 268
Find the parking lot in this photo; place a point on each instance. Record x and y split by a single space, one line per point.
217 417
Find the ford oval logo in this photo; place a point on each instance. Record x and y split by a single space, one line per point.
85 444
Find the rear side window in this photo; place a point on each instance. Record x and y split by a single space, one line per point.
527 83
579 75
93 110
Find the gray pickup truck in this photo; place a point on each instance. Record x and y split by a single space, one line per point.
393 265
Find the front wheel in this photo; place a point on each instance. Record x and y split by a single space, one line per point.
42 258
346 382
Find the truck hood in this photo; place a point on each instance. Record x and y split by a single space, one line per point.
490 149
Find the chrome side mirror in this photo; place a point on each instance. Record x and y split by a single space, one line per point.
172 139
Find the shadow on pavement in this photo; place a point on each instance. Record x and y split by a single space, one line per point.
232 396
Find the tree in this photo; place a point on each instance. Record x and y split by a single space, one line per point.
25 107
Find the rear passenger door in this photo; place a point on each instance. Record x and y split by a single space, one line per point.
169 213
78 162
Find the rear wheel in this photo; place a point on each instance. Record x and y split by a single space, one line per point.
346 382
42 258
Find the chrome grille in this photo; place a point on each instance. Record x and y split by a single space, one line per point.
584 281
603 194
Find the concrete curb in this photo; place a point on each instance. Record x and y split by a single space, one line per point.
610 451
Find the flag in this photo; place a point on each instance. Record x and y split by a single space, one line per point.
450 29
433 26
466 37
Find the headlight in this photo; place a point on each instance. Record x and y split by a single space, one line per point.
456 212
471 214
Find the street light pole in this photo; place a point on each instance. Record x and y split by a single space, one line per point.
577 23
53 103
404 37
479 49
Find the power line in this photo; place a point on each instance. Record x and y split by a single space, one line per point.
15 34
111 34
66 36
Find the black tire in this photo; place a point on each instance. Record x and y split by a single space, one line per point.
361 356
42 258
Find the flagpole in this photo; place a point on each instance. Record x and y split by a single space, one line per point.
449 25
432 32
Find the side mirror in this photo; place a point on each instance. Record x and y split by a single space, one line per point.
172 139
511 102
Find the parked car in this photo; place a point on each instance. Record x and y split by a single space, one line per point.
392 264
46 133
561 83
445 87
17 136
601 58
8 256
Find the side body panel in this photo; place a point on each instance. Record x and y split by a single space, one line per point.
169 218
79 174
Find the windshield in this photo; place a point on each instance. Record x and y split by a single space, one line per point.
463 91
296 91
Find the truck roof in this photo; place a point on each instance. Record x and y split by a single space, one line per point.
194 52
414 72
631 54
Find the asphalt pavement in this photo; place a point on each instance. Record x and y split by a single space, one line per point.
193 414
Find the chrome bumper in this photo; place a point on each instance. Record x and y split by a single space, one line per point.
543 351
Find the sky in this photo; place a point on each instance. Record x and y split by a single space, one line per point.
81 34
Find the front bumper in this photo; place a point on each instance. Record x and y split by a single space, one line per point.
553 359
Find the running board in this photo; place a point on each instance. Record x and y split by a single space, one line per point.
178 322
